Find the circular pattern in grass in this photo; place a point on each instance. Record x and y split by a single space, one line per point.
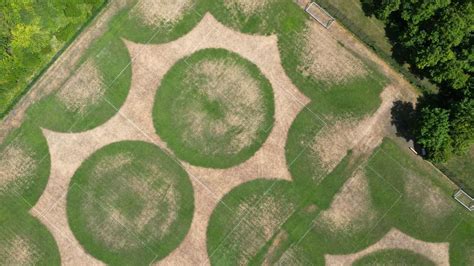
96 88
24 167
130 203
25 241
394 257
214 109
246 226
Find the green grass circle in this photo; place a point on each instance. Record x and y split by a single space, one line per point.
109 56
394 257
214 109
130 203
26 241
25 166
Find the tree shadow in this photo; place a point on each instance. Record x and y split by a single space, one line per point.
404 119
368 6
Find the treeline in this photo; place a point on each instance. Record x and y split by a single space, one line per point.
31 31
436 39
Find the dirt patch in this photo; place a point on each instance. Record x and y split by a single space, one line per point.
325 59
233 89
16 164
430 198
394 239
18 252
333 142
351 206
83 89
248 7
154 13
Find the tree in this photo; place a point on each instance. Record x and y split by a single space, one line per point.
383 9
434 132
462 126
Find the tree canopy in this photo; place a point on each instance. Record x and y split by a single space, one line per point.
436 38
31 31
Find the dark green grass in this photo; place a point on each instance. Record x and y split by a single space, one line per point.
23 225
24 192
394 257
178 97
111 190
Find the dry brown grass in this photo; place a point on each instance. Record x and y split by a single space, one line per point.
119 231
248 7
325 59
156 12
261 222
16 164
83 89
18 251
431 202
351 206
239 95
394 239
333 142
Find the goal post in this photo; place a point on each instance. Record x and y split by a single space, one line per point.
465 200
319 14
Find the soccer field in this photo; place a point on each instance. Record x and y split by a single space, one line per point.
224 133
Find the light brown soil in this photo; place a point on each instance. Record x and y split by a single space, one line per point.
394 239
16 163
83 89
325 59
134 122
248 7
351 208
154 12
336 139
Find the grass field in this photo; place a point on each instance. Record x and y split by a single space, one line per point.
157 147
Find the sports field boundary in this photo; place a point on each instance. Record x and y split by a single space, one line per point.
58 54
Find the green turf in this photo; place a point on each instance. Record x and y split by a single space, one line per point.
394 257
191 104
460 169
30 168
25 241
130 203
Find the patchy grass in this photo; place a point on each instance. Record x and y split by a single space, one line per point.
394 257
214 109
25 241
460 169
130 202
24 167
